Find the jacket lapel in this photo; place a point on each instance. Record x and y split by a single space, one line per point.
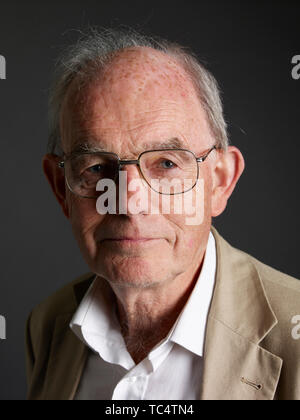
235 366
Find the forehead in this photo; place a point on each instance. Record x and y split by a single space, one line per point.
142 93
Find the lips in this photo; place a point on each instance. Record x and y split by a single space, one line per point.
130 233
126 238
129 243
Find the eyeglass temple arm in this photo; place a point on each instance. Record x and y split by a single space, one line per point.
202 158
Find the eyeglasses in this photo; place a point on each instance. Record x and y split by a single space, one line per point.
166 171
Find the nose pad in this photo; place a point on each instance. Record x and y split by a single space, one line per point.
132 196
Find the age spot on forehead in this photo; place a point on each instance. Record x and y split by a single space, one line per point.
142 66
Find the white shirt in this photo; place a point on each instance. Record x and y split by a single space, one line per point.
173 368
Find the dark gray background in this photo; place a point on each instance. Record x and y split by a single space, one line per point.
248 45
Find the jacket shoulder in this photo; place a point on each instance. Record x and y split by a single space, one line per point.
282 290
63 301
276 279
272 279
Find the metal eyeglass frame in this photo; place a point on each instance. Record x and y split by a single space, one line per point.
122 162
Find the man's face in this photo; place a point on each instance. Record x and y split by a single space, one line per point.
141 101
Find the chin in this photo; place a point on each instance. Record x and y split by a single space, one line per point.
136 272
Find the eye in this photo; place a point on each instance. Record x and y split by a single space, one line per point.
168 164
96 169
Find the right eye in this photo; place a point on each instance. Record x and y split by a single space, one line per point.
96 169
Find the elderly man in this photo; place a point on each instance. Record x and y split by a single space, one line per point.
169 310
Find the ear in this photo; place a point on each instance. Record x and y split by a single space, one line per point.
56 179
229 168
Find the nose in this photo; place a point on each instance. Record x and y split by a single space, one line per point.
133 194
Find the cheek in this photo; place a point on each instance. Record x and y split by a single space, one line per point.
206 178
191 229
194 206
185 236
191 243
84 218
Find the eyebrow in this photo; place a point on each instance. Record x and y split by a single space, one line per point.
87 147
92 146
172 143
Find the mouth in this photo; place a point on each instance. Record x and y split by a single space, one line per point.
127 241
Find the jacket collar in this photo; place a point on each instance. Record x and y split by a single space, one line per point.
81 288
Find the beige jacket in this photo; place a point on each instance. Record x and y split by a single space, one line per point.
250 352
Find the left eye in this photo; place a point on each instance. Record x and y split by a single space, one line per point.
168 164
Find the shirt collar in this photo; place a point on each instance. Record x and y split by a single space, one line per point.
95 323
189 329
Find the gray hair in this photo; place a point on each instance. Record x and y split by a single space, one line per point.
96 49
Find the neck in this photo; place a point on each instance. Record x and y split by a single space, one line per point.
147 315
